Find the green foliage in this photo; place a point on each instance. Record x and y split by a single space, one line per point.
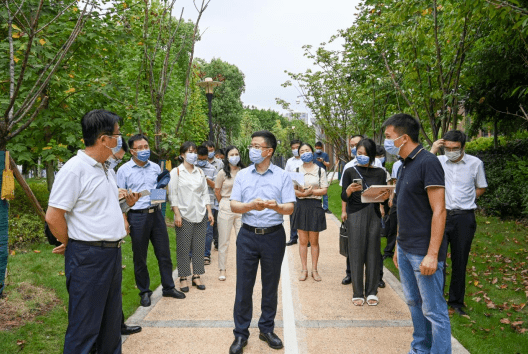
195 127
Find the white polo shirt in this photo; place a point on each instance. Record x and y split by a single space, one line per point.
461 180
90 197
292 164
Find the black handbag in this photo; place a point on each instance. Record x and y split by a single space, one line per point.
343 240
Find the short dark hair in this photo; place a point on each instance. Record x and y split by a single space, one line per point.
269 138
186 146
456 136
357 136
295 141
380 150
209 144
318 144
135 138
303 144
227 168
124 145
219 152
202 150
370 148
96 123
404 124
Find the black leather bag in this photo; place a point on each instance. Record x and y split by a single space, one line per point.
343 240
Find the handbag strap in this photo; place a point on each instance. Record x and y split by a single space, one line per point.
364 182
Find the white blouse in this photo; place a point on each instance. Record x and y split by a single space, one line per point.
188 192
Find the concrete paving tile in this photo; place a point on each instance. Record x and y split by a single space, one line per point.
359 340
193 341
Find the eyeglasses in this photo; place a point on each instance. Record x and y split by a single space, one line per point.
257 147
142 148
456 149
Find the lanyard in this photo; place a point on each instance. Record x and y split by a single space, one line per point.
365 182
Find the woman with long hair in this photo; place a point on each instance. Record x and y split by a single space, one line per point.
226 218
308 216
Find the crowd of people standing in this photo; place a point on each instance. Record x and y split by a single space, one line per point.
92 208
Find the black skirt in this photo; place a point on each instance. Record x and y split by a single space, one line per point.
308 215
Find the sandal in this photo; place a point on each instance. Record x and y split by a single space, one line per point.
373 298
207 260
356 300
315 275
185 288
304 275
222 276
198 286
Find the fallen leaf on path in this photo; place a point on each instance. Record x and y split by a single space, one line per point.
505 320
61 273
36 251
494 281
517 323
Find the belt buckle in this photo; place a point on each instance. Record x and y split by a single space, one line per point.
119 243
151 210
259 230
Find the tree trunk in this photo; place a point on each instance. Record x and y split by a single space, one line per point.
50 174
495 134
29 193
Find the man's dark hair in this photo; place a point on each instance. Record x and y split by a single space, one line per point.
456 136
209 144
318 144
295 141
370 148
404 124
268 137
227 166
357 136
202 150
96 123
186 146
124 145
380 150
219 152
135 138
303 144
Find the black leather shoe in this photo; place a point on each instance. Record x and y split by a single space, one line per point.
346 280
128 330
460 311
273 340
174 293
291 242
199 287
186 288
145 300
238 346
381 284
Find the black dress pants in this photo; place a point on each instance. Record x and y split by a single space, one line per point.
459 231
93 280
391 232
144 228
269 251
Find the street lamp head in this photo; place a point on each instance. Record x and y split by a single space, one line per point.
208 84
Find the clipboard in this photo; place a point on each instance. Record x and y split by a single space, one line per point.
377 194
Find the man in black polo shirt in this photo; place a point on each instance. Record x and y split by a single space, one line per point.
421 248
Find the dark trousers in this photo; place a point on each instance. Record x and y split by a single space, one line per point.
93 281
215 228
145 228
459 231
269 250
294 235
391 232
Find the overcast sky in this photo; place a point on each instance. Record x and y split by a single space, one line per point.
264 38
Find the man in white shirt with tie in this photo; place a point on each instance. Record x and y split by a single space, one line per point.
465 181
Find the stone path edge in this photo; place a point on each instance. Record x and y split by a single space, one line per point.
395 284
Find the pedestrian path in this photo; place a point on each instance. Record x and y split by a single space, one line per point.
312 317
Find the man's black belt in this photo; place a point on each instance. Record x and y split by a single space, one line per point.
459 211
146 211
110 244
262 230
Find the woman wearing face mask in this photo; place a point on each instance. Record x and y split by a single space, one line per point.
309 217
226 218
363 224
190 201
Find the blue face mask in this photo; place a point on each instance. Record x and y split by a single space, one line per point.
201 163
255 155
307 157
353 151
389 146
210 155
234 160
191 158
118 146
318 151
295 152
382 159
362 159
143 155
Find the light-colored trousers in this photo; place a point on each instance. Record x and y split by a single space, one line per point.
226 220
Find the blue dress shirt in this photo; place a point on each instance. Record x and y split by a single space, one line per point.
137 178
274 184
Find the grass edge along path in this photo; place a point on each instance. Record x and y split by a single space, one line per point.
497 285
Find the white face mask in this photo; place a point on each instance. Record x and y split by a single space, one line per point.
453 155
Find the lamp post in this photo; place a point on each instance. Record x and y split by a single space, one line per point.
208 84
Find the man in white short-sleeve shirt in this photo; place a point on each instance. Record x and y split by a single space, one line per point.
465 181
84 215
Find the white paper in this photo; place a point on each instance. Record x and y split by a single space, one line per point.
297 178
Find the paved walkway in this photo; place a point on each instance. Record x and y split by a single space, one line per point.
312 317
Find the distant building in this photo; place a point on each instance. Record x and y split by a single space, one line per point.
299 115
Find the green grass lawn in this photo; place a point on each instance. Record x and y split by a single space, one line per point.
497 290
45 334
